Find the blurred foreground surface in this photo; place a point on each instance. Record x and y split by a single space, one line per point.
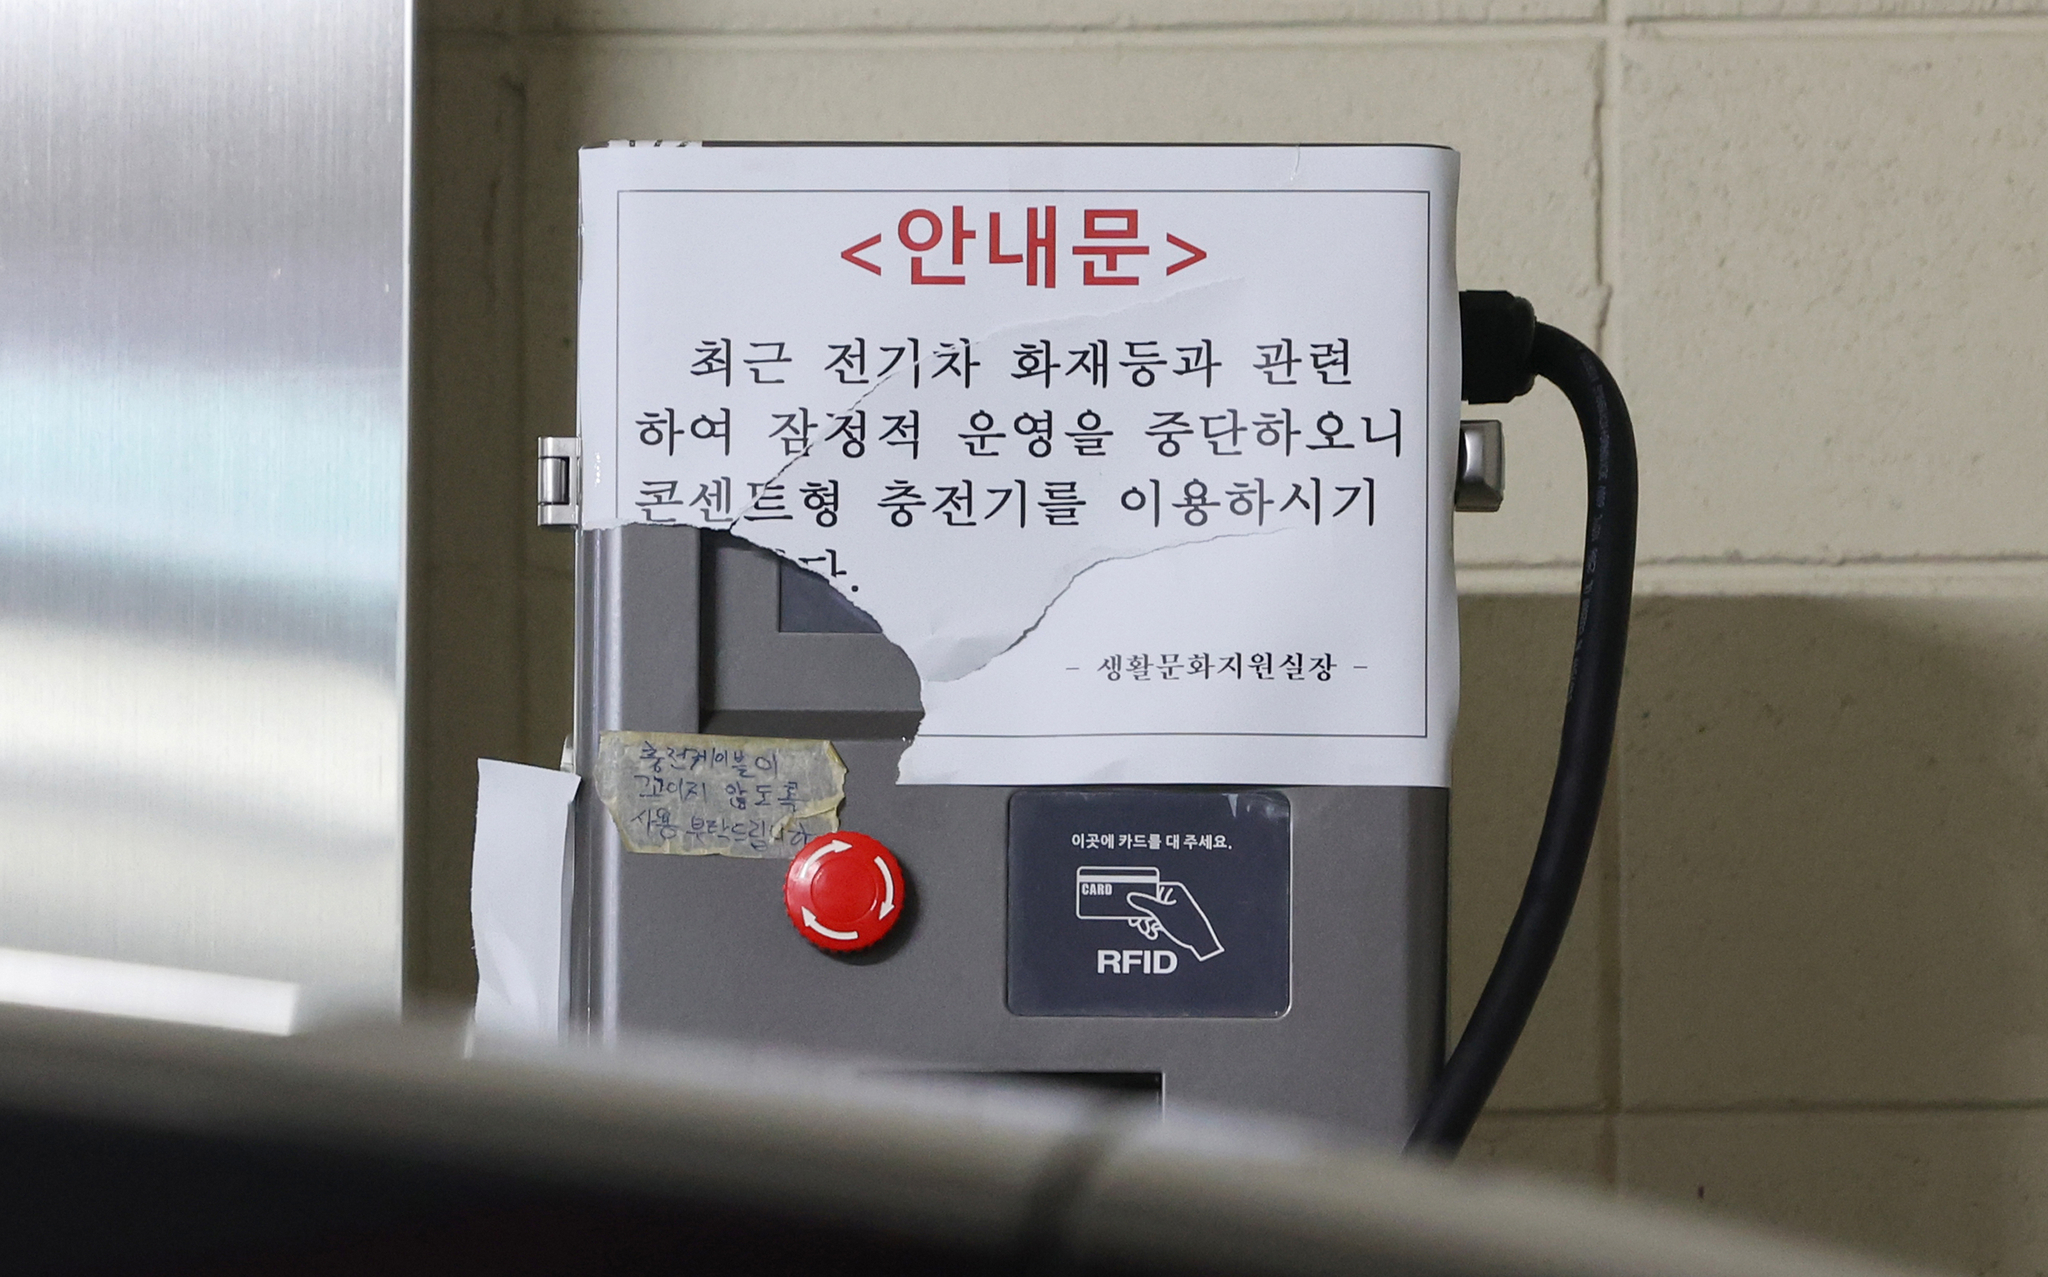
138 1147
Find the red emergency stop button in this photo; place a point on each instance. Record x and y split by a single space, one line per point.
844 891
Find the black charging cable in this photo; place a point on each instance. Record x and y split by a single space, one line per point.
1506 349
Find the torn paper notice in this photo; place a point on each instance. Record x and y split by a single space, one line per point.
519 896
1143 455
752 796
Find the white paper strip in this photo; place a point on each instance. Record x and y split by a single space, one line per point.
519 896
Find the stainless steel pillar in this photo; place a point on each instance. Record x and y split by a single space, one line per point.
203 396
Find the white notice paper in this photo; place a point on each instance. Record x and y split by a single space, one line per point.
1143 455
519 896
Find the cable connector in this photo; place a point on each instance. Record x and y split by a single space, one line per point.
1499 332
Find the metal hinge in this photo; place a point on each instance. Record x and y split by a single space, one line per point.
561 482
1482 467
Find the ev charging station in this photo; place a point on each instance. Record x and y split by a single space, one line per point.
1016 628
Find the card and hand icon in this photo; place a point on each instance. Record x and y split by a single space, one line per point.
1099 891
1104 893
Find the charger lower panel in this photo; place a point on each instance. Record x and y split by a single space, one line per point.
683 631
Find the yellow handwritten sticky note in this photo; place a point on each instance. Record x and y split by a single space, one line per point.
752 796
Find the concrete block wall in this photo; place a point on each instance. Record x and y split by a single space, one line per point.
1808 984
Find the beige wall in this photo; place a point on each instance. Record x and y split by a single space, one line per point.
1809 979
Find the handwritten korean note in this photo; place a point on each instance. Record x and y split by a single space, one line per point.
750 796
